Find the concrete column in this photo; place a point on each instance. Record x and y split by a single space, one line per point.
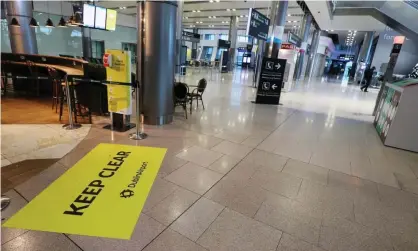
364 54
304 34
23 37
179 29
277 28
194 45
312 55
232 35
158 43
86 42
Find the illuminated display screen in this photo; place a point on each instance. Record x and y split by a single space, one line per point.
111 20
100 20
88 15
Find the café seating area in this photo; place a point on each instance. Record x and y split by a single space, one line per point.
183 96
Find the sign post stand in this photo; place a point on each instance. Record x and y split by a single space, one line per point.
139 133
271 81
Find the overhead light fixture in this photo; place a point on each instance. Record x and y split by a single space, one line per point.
295 21
193 10
228 9
62 23
49 23
246 15
233 9
214 17
198 10
217 1
14 22
210 1
332 30
289 15
122 8
33 23
241 16
289 21
294 26
210 16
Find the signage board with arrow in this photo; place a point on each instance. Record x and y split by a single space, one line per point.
271 80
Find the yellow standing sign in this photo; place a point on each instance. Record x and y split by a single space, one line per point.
102 195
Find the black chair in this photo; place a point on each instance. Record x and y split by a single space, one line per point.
181 97
197 93
57 94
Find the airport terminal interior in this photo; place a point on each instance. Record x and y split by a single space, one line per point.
209 125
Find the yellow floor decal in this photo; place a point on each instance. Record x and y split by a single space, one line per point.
102 195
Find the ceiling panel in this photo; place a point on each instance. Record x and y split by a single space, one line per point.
205 14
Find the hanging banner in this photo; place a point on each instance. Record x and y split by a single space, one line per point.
102 195
258 25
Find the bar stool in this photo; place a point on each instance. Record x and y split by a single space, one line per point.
56 87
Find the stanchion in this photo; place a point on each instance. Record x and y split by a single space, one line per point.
71 125
139 133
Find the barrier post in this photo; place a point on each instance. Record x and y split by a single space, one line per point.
71 125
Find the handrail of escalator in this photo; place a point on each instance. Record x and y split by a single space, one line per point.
412 3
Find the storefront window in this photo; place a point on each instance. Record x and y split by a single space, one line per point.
223 36
97 49
132 48
209 37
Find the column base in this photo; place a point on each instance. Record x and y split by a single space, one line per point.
161 120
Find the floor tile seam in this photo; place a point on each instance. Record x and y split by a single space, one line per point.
25 231
278 243
283 231
165 197
195 242
277 127
175 169
220 212
28 230
169 225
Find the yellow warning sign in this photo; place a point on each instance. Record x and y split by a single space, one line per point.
102 195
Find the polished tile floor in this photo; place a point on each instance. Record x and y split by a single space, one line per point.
308 175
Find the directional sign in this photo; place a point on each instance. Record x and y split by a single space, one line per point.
294 39
258 25
271 79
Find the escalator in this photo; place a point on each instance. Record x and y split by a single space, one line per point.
401 16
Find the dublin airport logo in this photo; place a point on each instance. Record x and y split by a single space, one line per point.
127 193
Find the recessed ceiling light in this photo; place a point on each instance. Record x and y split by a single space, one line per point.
214 17
289 15
233 9
197 22
210 1
198 10
289 21
294 26
210 16
228 9
217 1
241 16
295 21
326 30
193 10
332 30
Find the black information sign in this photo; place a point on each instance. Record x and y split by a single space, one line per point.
258 25
224 44
271 79
294 39
191 37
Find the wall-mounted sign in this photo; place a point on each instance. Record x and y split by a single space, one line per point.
258 25
286 46
294 39
191 37
111 19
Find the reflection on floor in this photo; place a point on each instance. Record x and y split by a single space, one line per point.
33 111
308 175
25 142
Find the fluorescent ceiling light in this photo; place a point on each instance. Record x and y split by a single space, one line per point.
228 9
233 9
198 10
